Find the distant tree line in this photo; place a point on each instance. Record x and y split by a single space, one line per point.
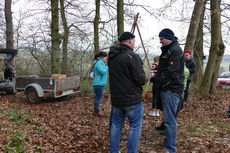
66 42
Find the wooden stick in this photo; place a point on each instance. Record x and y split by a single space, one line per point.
146 55
134 23
132 31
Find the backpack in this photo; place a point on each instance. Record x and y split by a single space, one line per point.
91 74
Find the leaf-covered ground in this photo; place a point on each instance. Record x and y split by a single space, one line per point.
67 125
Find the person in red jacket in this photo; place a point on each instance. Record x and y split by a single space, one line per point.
191 66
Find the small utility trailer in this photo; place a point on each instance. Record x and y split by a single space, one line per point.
36 87
39 86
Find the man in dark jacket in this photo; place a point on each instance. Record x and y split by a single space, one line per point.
126 78
191 66
170 82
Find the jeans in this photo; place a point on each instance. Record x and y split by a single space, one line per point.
117 118
170 102
186 92
98 91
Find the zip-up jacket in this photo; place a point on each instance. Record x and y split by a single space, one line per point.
126 76
100 73
191 66
170 74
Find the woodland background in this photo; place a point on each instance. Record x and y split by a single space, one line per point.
61 36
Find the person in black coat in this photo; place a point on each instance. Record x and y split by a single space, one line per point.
156 101
126 78
191 66
170 82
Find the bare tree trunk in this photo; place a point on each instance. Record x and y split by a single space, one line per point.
198 52
96 27
194 24
216 52
215 6
65 39
55 55
120 17
9 25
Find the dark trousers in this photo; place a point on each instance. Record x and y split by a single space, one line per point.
186 92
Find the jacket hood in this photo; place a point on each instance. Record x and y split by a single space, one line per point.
98 59
116 50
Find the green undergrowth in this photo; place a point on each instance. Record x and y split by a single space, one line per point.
17 137
16 114
16 142
88 90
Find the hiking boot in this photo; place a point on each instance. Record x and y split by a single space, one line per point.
160 144
161 127
124 138
96 113
162 133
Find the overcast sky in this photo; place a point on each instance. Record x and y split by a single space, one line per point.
150 25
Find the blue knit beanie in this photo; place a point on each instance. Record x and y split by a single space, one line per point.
167 33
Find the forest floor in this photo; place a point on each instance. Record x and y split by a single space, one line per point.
67 125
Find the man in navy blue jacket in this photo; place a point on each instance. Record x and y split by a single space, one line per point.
170 82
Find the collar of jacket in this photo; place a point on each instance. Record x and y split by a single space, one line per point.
98 59
165 48
116 50
126 47
191 58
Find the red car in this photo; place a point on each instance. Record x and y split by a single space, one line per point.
223 81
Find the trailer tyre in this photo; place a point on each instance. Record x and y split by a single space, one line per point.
32 96
10 90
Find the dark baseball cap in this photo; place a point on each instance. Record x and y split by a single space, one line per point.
126 36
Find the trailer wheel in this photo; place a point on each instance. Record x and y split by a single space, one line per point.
32 96
9 90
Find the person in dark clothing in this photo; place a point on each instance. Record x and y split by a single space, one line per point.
126 78
191 66
156 101
170 82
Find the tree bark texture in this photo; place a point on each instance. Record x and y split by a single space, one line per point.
120 17
198 53
9 25
65 38
216 7
55 54
208 84
96 27
194 24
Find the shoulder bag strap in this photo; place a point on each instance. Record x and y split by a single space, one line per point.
92 70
